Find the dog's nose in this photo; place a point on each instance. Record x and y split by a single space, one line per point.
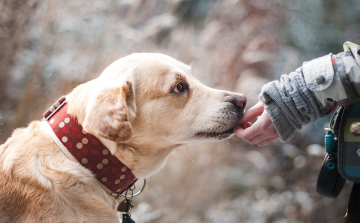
240 100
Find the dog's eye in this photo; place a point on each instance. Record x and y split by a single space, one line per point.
179 88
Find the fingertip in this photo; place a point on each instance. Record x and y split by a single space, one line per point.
245 125
253 112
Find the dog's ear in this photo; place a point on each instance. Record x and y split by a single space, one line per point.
107 114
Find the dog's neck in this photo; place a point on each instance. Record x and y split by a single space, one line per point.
141 165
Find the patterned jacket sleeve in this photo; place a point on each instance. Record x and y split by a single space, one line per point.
313 90
344 79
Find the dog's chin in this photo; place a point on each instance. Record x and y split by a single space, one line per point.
215 135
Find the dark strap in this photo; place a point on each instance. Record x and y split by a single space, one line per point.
353 213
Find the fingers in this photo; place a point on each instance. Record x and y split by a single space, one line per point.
262 138
246 133
262 131
268 141
258 138
253 112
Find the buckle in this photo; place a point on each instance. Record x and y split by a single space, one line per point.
54 108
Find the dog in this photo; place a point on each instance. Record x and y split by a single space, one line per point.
141 108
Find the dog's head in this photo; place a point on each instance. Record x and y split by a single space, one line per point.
152 104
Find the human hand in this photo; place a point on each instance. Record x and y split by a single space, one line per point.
262 131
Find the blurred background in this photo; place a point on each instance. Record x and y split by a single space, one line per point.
49 46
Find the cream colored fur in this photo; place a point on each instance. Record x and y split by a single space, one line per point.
135 110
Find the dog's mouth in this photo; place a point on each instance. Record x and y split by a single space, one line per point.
222 134
218 135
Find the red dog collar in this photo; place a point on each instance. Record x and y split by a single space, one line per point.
88 150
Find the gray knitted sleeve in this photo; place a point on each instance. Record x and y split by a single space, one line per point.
290 104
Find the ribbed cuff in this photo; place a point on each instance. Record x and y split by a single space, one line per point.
283 127
290 104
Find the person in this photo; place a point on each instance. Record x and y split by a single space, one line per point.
303 96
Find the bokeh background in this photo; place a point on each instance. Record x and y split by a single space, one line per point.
50 46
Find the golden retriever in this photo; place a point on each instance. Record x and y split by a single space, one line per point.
142 107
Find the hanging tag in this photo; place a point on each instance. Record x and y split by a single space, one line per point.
127 218
125 206
122 207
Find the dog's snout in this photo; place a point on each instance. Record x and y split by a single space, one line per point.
240 100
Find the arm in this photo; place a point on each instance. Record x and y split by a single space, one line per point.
304 96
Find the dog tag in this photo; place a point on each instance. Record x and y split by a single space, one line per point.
127 219
123 206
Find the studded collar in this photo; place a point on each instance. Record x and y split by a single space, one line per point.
86 149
